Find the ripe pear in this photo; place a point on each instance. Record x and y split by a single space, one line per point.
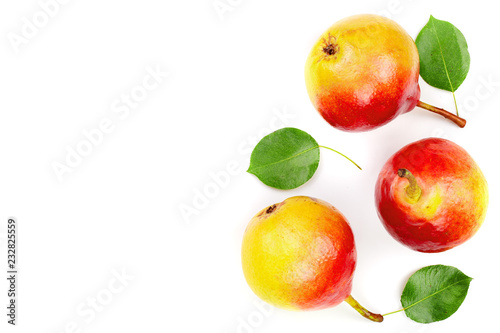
363 72
300 255
431 195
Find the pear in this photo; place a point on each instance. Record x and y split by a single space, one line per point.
363 72
300 255
431 195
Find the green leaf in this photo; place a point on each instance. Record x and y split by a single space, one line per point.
434 293
285 159
444 57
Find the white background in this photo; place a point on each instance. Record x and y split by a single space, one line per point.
230 73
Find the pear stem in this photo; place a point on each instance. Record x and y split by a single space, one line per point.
413 191
442 112
364 312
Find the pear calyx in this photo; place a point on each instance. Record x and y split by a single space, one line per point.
330 46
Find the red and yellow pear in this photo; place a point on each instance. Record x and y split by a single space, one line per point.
300 255
431 195
363 72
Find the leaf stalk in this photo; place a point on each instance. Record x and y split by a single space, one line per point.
341 155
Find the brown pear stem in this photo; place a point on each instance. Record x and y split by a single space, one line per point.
442 112
364 312
413 191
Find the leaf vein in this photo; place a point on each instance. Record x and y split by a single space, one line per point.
435 293
434 30
283 160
